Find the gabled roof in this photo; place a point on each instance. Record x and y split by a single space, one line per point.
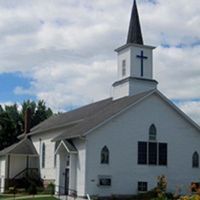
70 148
70 118
178 110
135 33
74 123
101 116
113 110
23 147
80 122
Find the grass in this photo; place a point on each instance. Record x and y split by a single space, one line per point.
28 198
40 198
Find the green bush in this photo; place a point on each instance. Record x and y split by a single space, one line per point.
32 189
145 196
51 188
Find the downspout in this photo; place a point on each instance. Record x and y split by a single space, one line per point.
27 165
7 180
27 127
8 168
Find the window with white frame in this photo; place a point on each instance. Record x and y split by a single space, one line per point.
152 153
105 180
142 186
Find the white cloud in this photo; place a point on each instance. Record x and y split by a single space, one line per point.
66 47
178 71
192 108
8 103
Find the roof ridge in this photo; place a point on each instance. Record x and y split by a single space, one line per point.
107 112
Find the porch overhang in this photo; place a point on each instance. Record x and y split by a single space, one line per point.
24 147
67 146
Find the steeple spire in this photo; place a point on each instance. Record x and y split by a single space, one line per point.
135 33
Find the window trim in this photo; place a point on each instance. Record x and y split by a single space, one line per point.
104 177
157 154
143 186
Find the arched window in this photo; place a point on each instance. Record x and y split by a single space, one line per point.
195 160
152 132
43 155
105 155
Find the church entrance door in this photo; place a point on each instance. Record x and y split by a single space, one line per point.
66 181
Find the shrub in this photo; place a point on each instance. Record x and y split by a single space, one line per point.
51 188
32 189
145 196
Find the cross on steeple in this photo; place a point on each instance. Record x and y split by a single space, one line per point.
142 58
132 57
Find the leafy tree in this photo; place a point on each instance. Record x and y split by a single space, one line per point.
15 116
39 111
7 130
1 109
12 120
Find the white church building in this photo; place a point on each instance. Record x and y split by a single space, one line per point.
119 145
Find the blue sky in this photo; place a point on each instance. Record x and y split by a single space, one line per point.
9 81
63 51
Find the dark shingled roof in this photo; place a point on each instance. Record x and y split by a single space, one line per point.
67 145
135 33
24 146
71 118
78 122
95 119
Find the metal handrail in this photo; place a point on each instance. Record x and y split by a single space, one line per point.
25 170
72 192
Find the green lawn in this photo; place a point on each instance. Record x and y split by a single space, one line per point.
40 198
28 198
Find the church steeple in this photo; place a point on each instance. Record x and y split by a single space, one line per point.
135 62
135 33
